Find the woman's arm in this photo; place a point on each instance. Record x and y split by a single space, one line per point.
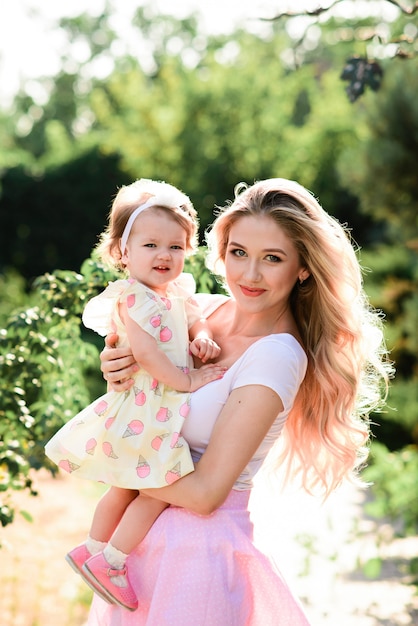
239 430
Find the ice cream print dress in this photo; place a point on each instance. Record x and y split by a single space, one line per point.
132 439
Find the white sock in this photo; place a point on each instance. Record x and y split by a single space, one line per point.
116 558
94 546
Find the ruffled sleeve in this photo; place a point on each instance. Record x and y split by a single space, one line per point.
98 312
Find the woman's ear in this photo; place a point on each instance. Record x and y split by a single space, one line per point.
304 274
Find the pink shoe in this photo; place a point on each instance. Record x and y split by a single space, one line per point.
77 557
98 574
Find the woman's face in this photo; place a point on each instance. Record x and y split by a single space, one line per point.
262 264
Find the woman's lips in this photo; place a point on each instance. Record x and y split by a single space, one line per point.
252 292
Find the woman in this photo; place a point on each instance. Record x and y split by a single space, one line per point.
305 359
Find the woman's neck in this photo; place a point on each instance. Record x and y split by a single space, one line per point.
242 323
235 330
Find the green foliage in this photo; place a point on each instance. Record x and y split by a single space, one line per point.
205 281
42 364
394 478
54 220
383 167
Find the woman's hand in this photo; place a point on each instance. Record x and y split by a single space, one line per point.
117 364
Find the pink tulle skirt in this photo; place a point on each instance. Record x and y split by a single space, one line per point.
192 570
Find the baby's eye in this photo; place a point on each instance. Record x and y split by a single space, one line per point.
176 248
149 245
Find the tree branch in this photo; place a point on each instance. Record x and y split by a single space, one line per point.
319 10
406 10
310 13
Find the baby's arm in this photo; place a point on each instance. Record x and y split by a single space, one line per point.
158 365
202 345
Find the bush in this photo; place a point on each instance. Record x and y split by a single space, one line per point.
46 358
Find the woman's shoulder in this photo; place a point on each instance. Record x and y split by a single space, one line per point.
210 302
284 340
273 350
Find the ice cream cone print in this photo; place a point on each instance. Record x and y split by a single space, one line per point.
140 397
163 414
173 474
151 296
165 334
109 422
157 441
155 387
108 450
184 409
142 469
130 300
167 302
155 321
68 466
135 427
175 441
101 407
91 446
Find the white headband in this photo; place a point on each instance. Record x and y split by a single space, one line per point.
157 200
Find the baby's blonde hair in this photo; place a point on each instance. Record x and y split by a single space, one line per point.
129 198
326 434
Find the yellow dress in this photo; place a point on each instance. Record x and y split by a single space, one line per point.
132 439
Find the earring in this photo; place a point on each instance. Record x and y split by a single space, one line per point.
301 281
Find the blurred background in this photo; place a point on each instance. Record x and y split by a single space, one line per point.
96 94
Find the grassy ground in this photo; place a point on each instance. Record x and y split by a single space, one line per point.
318 548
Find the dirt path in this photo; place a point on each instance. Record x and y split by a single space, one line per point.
315 547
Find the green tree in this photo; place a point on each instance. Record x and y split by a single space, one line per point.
54 220
371 38
384 173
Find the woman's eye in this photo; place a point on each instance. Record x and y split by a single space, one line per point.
238 252
273 258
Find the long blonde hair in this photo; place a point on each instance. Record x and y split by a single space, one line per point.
326 433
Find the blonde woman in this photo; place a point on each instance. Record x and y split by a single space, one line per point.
305 363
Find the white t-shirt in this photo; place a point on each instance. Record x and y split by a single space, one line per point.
276 361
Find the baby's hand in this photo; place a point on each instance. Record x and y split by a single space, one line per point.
205 374
204 348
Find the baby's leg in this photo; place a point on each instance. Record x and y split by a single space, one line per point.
107 516
138 518
108 569
109 512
